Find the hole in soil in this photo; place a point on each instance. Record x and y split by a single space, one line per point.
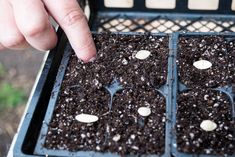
196 106
215 49
113 88
87 88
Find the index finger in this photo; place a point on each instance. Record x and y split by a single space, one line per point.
72 20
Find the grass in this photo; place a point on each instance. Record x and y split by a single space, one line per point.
9 96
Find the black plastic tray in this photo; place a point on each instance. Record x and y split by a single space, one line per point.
183 18
178 87
165 90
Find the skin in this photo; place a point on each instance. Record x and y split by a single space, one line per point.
25 23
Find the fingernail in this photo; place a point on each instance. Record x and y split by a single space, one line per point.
92 59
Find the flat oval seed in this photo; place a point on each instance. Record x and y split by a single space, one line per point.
142 54
202 64
144 111
86 118
208 125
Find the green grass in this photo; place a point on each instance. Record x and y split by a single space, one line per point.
10 96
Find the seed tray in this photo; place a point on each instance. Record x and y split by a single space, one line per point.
138 18
180 88
164 90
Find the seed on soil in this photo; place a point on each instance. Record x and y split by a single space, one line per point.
202 64
144 111
142 54
86 118
208 125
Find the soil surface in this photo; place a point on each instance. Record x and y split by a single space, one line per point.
194 106
120 129
216 49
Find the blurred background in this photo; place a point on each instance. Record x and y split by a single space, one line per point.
18 71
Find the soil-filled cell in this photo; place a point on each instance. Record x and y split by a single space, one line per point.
84 91
204 123
218 50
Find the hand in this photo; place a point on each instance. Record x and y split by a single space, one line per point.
26 22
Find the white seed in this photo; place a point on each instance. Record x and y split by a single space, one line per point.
208 125
144 111
142 54
202 64
86 118
116 137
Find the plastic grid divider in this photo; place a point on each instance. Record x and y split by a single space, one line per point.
162 23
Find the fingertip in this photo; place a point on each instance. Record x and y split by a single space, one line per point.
87 54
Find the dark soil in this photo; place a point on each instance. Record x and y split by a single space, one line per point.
83 91
216 49
194 106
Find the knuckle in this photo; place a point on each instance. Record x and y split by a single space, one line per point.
72 17
35 30
13 42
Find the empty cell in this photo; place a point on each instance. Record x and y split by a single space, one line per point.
119 3
160 4
203 4
233 5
